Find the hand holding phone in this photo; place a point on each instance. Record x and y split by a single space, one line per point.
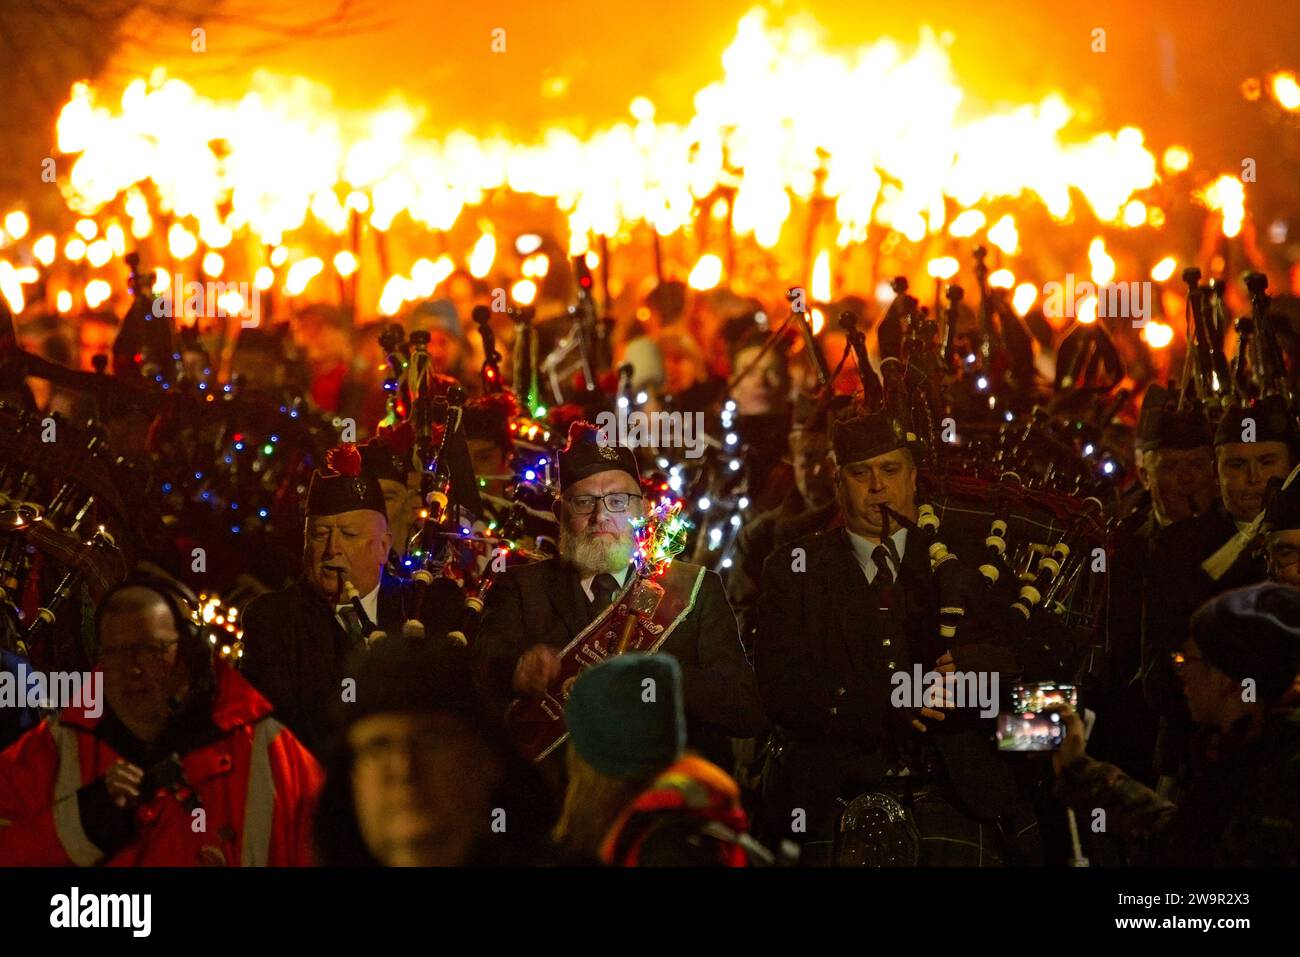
1034 723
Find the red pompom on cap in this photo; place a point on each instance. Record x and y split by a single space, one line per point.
345 460
400 438
578 432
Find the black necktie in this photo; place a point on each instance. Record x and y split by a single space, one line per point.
884 577
351 624
603 587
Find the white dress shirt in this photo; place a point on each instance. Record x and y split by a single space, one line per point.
863 547
620 577
369 602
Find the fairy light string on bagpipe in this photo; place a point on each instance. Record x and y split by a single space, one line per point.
660 537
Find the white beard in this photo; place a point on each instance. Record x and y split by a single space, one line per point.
595 557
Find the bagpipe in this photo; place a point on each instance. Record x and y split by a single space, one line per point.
1013 500
641 616
433 407
212 470
64 524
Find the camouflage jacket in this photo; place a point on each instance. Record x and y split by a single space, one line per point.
1242 807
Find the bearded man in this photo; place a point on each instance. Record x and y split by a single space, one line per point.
534 611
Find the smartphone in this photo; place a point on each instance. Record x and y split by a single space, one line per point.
1027 726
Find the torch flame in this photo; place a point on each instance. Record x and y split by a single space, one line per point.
1164 269
1023 299
483 255
16 224
1157 334
945 267
1004 235
821 277
1086 312
706 274
1286 91
1227 196
769 132
1103 264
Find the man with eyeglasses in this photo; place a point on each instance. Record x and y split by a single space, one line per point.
184 767
1237 668
1280 537
534 611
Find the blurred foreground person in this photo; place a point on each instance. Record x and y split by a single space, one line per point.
636 798
1242 803
180 766
421 777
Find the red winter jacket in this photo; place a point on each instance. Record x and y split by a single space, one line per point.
257 787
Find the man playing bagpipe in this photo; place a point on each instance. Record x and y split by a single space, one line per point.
842 614
297 640
534 612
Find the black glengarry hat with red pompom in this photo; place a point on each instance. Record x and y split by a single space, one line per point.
591 451
346 489
388 454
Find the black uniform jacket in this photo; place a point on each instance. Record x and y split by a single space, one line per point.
543 603
1178 586
825 655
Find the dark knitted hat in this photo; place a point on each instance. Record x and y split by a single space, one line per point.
590 451
403 676
347 489
625 715
866 436
1252 633
1272 423
1162 426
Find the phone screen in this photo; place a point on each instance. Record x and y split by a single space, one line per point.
1027 726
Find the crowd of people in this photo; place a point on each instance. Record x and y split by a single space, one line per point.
382 709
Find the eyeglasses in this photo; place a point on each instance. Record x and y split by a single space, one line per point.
1180 660
151 652
614 502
